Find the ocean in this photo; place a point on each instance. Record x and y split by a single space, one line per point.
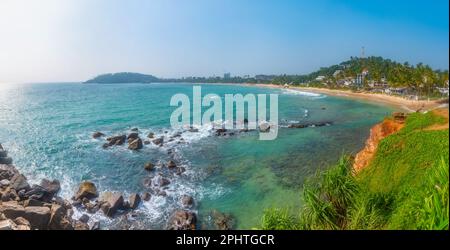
47 129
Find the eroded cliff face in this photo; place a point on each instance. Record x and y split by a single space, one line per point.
378 132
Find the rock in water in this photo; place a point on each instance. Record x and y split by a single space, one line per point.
97 135
187 201
264 127
149 166
87 189
158 141
151 135
111 203
116 140
135 144
84 218
171 164
146 196
3 153
133 136
134 200
182 220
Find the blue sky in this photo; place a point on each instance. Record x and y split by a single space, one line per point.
72 40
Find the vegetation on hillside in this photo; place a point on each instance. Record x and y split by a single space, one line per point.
123 77
404 187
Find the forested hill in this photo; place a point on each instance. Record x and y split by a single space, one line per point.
124 77
396 74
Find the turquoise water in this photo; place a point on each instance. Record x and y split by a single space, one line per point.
47 130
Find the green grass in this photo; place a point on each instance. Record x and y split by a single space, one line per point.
404 187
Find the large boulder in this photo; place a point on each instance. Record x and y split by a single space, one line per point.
22 223
87 189
19 182
111 202
135 144
39 217
12 209
59 219
182 220
134 200
52 187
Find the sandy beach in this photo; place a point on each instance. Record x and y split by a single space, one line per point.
402 104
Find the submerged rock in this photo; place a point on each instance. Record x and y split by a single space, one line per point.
182 220
187 201
97 134
171 164
146 196
264 127
151 135
149 166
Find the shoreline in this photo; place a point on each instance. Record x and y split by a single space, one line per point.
400 103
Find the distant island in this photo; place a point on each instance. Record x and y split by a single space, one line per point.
123 77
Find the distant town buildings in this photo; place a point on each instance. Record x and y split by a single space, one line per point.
227 76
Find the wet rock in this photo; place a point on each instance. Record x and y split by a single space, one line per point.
180 170
6 160
134 129
171 164
146 142
86 189
97 134
264 127
151 135
52 187
146 196
182 220
84 218
149 166
113 201
187 201
39 217
133 136
158 141
116 140
134 200
221 131
3 153
160 181
136 144
193 130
